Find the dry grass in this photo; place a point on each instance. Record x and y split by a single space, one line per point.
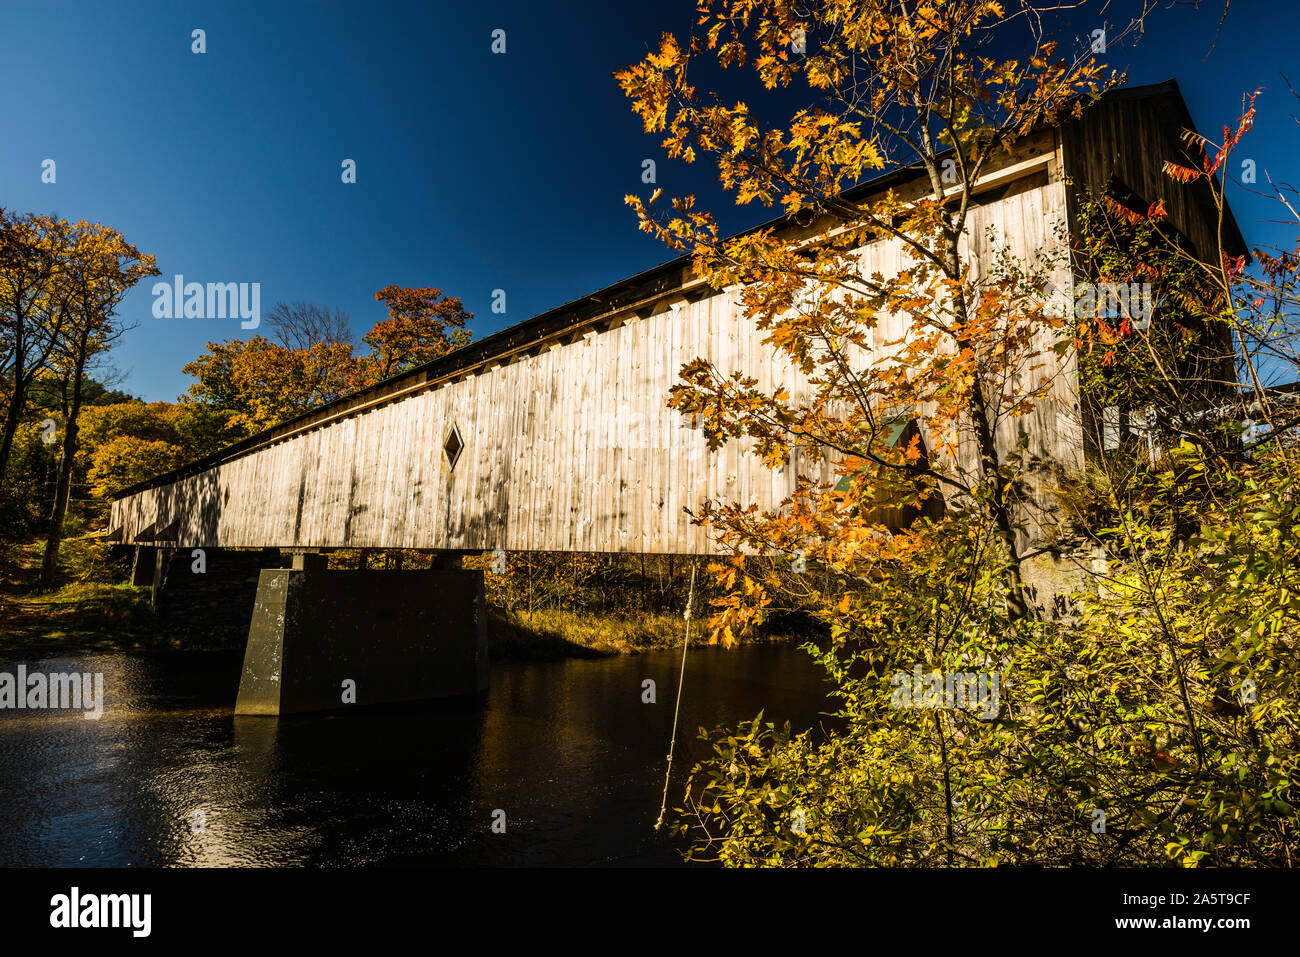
77 616
554 633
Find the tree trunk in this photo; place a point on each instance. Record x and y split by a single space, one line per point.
12 416
63 487
999 509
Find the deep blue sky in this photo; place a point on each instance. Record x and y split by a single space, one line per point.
475 171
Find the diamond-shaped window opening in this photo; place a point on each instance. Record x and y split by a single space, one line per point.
452 446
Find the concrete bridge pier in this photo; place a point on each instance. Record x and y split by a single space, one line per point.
325 640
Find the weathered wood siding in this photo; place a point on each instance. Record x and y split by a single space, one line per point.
569 448
1125 141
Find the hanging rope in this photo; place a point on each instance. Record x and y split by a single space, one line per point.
681 680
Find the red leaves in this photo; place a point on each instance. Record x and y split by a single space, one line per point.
1234 266
1120 211
1231 139
1182 174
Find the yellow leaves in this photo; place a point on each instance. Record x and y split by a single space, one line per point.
669 55
732 53
725 575
739 608
742 134
649 83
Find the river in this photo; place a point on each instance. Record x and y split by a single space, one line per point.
567 751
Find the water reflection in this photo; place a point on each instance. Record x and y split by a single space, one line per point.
568 750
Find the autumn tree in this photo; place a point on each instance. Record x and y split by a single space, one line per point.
423 324
312 362
264 383
894 86
33 306
129 442
1125 707
100 268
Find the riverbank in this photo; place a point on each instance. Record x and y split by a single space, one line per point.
82 614
83 618
554 633
85 614
80 618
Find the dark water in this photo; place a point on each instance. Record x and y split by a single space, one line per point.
566 749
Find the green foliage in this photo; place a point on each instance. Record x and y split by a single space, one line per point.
122 441
1224 612
889 785
1166 702
584 583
